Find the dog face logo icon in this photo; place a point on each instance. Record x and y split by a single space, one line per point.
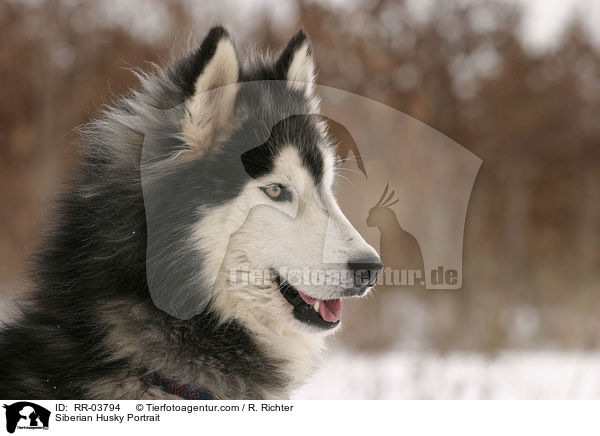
26 415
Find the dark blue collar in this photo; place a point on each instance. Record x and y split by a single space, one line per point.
187 392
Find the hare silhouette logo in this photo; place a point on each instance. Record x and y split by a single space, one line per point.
26 415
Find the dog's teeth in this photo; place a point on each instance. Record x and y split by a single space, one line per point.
316 306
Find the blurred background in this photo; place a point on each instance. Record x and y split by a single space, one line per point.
515 82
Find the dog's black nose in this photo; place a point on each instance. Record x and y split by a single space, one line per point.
366 271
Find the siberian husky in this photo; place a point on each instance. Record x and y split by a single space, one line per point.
214 169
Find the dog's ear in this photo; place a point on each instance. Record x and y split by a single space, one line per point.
214 71
296 64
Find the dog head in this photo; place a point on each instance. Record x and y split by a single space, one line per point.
239 194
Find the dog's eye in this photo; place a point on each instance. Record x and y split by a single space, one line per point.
273 191
276 192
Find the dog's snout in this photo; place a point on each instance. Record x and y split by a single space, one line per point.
366 271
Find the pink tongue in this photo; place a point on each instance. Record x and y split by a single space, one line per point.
330 310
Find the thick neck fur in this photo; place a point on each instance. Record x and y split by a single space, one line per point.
96 328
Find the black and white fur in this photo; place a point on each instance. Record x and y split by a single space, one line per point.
159 189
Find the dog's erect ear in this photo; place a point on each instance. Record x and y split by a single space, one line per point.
215 69
219 61
296 64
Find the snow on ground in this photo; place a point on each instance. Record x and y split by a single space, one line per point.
509 375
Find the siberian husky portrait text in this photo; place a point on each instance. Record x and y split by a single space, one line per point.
218 163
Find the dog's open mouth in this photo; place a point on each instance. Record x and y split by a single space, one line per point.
325 314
